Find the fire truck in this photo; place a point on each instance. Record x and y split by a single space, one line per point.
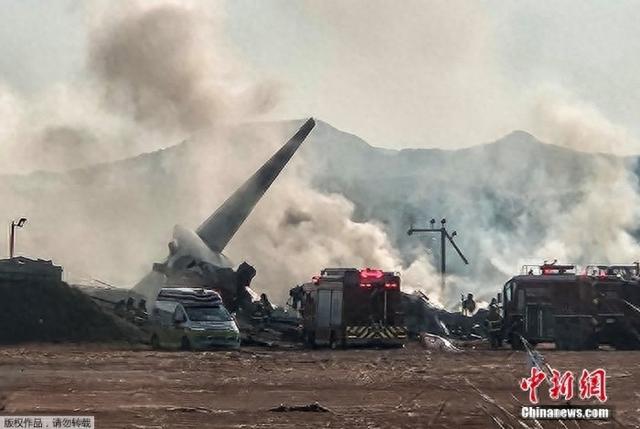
348 306
553 303
617 301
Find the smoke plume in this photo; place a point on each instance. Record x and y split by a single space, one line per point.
157 75
161 73
598 228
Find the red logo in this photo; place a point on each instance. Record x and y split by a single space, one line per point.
531 384
591 384
594 384
561 385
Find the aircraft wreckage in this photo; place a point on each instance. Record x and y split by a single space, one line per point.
195 257
196 260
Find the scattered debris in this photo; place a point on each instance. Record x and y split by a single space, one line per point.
314 408
485 397
190 409
437 343
421 315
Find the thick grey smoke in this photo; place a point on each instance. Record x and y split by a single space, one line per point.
314 231
579 208
157 75
167 68
598 228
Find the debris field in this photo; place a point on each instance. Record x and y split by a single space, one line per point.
257 387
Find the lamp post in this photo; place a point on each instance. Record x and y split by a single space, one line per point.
12 235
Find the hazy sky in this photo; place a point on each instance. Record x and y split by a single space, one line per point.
397 73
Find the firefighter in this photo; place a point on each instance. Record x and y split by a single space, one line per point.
468 305
266 304
296 294
494 325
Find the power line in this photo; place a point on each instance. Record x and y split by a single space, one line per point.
444 237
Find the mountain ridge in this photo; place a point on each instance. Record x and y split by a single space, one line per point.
501 196
515 138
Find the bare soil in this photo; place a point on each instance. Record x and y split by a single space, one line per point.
411 387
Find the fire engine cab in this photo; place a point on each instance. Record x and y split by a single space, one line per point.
348 306
577 311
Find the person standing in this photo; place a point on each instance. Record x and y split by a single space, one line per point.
494 325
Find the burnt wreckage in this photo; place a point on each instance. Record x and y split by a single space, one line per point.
195 257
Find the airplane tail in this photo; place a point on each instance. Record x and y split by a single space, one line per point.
221 226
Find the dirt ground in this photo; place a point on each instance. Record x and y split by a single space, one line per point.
411 387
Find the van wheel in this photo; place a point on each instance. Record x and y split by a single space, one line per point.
155 342
185 344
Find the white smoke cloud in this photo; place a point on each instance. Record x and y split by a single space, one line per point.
598 228
562 119
157 74
584 213
296 231
168 68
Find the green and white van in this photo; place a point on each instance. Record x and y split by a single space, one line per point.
192 319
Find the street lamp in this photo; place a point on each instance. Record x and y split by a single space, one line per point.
12 236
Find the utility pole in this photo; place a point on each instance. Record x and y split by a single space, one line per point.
444 236
12 235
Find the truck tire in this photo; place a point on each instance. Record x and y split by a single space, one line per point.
516 343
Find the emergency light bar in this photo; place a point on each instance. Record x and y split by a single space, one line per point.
548 269
369 273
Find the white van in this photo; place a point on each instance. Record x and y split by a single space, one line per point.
192 319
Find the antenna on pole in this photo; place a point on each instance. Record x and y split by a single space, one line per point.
444 237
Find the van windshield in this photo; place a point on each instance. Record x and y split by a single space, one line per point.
208 314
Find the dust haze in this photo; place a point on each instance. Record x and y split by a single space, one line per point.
156 76
161 73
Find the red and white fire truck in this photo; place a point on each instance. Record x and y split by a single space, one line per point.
348 306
